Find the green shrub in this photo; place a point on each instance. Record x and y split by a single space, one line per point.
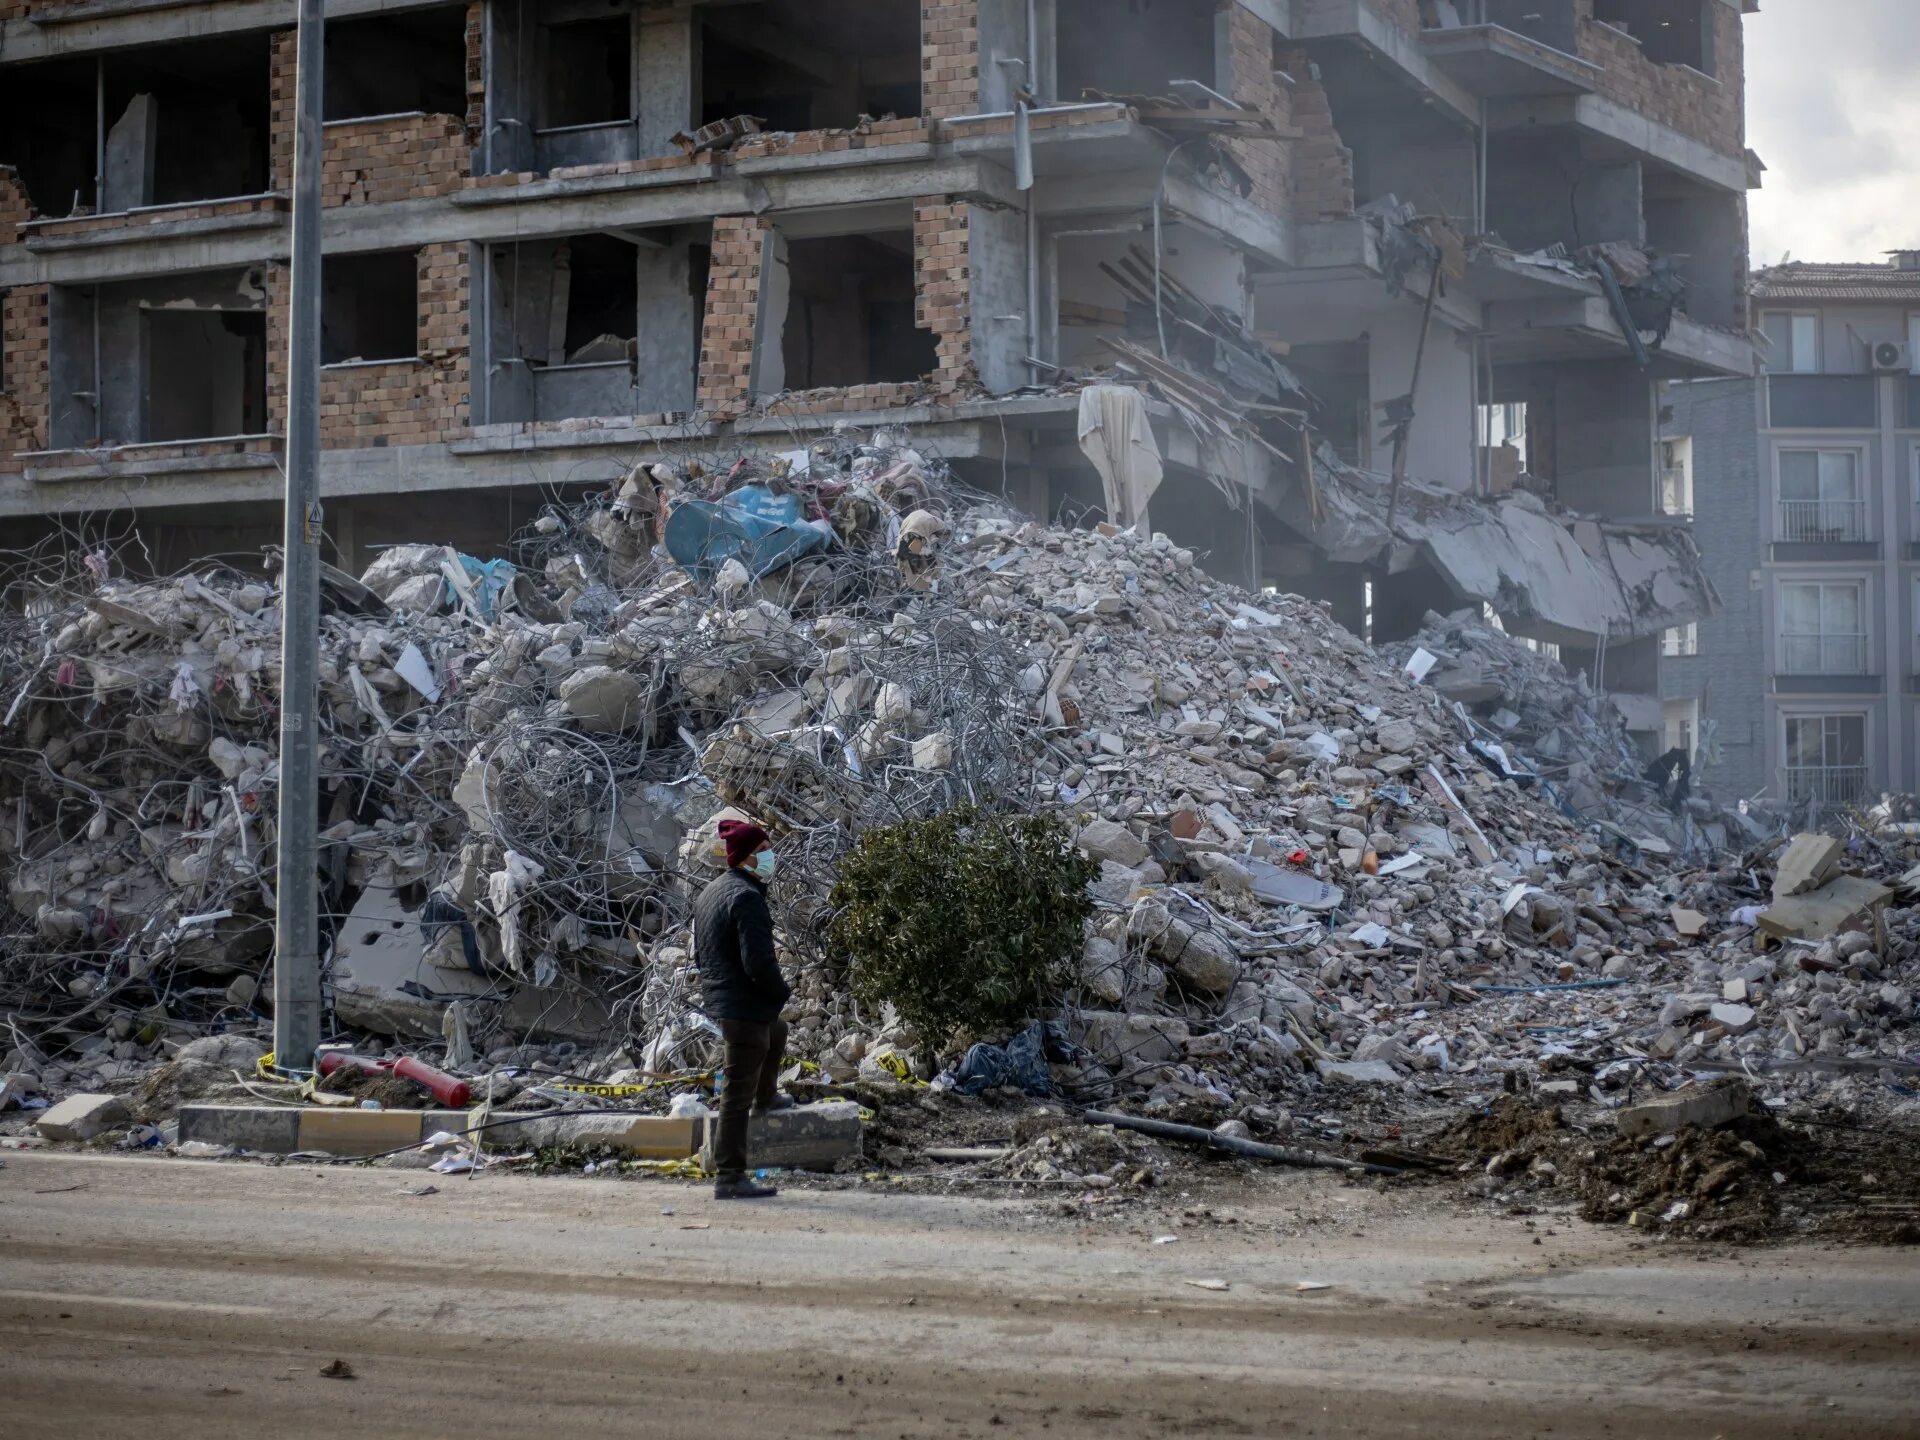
966 919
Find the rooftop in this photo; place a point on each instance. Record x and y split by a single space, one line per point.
1892 280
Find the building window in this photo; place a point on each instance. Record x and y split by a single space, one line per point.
1670 32
1820 497
1676 477
369 307
1793 342
589 74
1680 724
1823 628
1681 640
1826 759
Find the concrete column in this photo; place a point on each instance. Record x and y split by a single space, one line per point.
666 75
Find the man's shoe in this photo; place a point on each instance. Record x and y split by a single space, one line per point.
781 1101
742 1189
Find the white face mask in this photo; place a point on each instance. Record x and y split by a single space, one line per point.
763 865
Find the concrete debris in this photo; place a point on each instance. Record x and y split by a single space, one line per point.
1323 882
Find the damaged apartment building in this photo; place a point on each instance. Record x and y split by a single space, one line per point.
1364 299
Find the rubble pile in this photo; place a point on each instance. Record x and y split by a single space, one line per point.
1315 873
1543 725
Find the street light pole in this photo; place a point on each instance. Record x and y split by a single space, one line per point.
296 960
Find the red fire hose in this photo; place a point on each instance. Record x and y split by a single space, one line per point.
449 1090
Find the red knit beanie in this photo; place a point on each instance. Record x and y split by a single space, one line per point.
742 838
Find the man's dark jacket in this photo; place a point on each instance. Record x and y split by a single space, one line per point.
733 943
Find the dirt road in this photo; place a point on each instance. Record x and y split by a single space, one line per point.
153 1298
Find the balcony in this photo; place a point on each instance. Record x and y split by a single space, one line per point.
1822 402
1826 787
1823 522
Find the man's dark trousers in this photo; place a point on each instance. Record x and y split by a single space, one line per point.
753 1060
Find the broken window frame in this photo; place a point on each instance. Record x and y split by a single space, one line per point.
779 250
457 65
1708 61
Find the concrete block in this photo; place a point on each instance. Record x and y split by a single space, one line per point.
81 1117
1703 1105
648 1137
357 1132
1737 1018
809 1137
269 1129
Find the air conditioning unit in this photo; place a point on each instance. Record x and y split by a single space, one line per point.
1891 355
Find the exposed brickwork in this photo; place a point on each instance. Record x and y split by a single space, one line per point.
874 135
372 162
65 225
1268 162
1322 166
282 72
1709 110
15 207
851 399
23 373
380 160
476 72
949 58
416 402
733 302
943 290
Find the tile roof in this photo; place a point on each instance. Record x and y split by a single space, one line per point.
1811 280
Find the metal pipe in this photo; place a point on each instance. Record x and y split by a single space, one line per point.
100 136
296 960
1233 1144
1036 110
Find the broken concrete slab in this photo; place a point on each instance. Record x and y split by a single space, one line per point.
81 1117
1847 902
1707 1105
1809 861
1359 1072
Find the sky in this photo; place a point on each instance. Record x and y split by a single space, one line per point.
1833 108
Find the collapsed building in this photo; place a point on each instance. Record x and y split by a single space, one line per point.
1361 299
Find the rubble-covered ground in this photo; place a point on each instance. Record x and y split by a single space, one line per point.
1336 905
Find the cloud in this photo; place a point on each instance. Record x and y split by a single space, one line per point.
1832 108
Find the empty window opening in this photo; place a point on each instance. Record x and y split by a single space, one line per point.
849 317
598 277
589 73
206 373
398 64
369 307
810 66
1135 47
187 122
47 130
1670 32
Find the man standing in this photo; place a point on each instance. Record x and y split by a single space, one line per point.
744 994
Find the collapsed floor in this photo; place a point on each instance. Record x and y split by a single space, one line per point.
1331 897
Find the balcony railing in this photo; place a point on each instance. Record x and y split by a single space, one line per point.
1823 654
1829 521
1829 787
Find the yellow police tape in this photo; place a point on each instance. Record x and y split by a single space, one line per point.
614 1092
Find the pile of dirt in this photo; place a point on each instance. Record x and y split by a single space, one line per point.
1755 1180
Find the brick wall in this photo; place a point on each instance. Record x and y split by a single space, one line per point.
949 58
14 205
380 160
23 373
1322 166
942 283
418 402
733 302
1268 162
1708 109
371 162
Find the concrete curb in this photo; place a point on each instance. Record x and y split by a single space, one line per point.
815 1137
